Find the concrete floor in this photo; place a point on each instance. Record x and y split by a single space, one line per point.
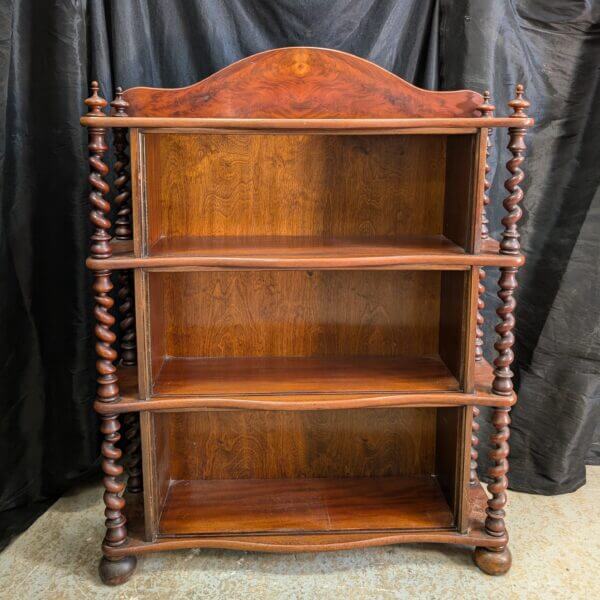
555 543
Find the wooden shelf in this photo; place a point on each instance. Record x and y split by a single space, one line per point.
306 252
482 396
301 542
324 375
251 506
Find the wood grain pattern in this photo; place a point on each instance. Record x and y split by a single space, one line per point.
460 176
232 444
304 375
454 330
307 240
261 185
404 252
482 396
112 570
297 313
428 126
301 83
449 450
323 542
307 505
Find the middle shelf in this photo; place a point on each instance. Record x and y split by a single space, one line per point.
305 252
130 400
302 375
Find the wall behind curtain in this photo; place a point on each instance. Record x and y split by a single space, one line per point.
50 51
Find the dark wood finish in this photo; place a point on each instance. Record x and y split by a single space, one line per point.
448 438
324 186
127 344
127 318
494 523
473 476
251 506
482 396
113 571
301 83
510 236
323 542
97 146
454 329
426 126
296 313
480 321
307 252
493 561
123 195
487 110
234 444
133 456
305 375
502 383
306 235
459 180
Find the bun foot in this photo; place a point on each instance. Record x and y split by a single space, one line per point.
117 571
493 561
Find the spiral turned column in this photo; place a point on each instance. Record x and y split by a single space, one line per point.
487 111
112 571
497 561
123 231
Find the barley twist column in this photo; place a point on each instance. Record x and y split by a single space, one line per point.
112 571
498 560
487 111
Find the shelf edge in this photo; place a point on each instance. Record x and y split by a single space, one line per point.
308 402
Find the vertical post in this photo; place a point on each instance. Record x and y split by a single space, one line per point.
498 560
123 231
487 111
112 571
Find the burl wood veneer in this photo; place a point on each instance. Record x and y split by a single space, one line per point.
300 241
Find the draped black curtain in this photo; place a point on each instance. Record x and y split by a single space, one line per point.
50 50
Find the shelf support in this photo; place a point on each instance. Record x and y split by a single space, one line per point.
497 561
123 231
487 112
112 571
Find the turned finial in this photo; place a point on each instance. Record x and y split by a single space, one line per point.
486 108
95 102
119 104
519 104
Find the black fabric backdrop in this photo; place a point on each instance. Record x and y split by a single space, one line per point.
50 50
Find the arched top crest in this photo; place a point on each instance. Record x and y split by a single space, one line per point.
298 83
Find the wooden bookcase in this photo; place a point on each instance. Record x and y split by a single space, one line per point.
300 364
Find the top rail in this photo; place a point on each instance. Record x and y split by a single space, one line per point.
307 124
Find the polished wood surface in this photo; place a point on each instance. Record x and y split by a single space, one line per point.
323 542
293 185
307 252
234 444
482 396
296 313
112 570
304 505
301 83
427 126
287 375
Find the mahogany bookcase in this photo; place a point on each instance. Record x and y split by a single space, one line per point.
300 241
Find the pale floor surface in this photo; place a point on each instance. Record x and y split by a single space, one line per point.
555 543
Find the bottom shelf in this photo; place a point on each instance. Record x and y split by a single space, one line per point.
316 542
257 506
